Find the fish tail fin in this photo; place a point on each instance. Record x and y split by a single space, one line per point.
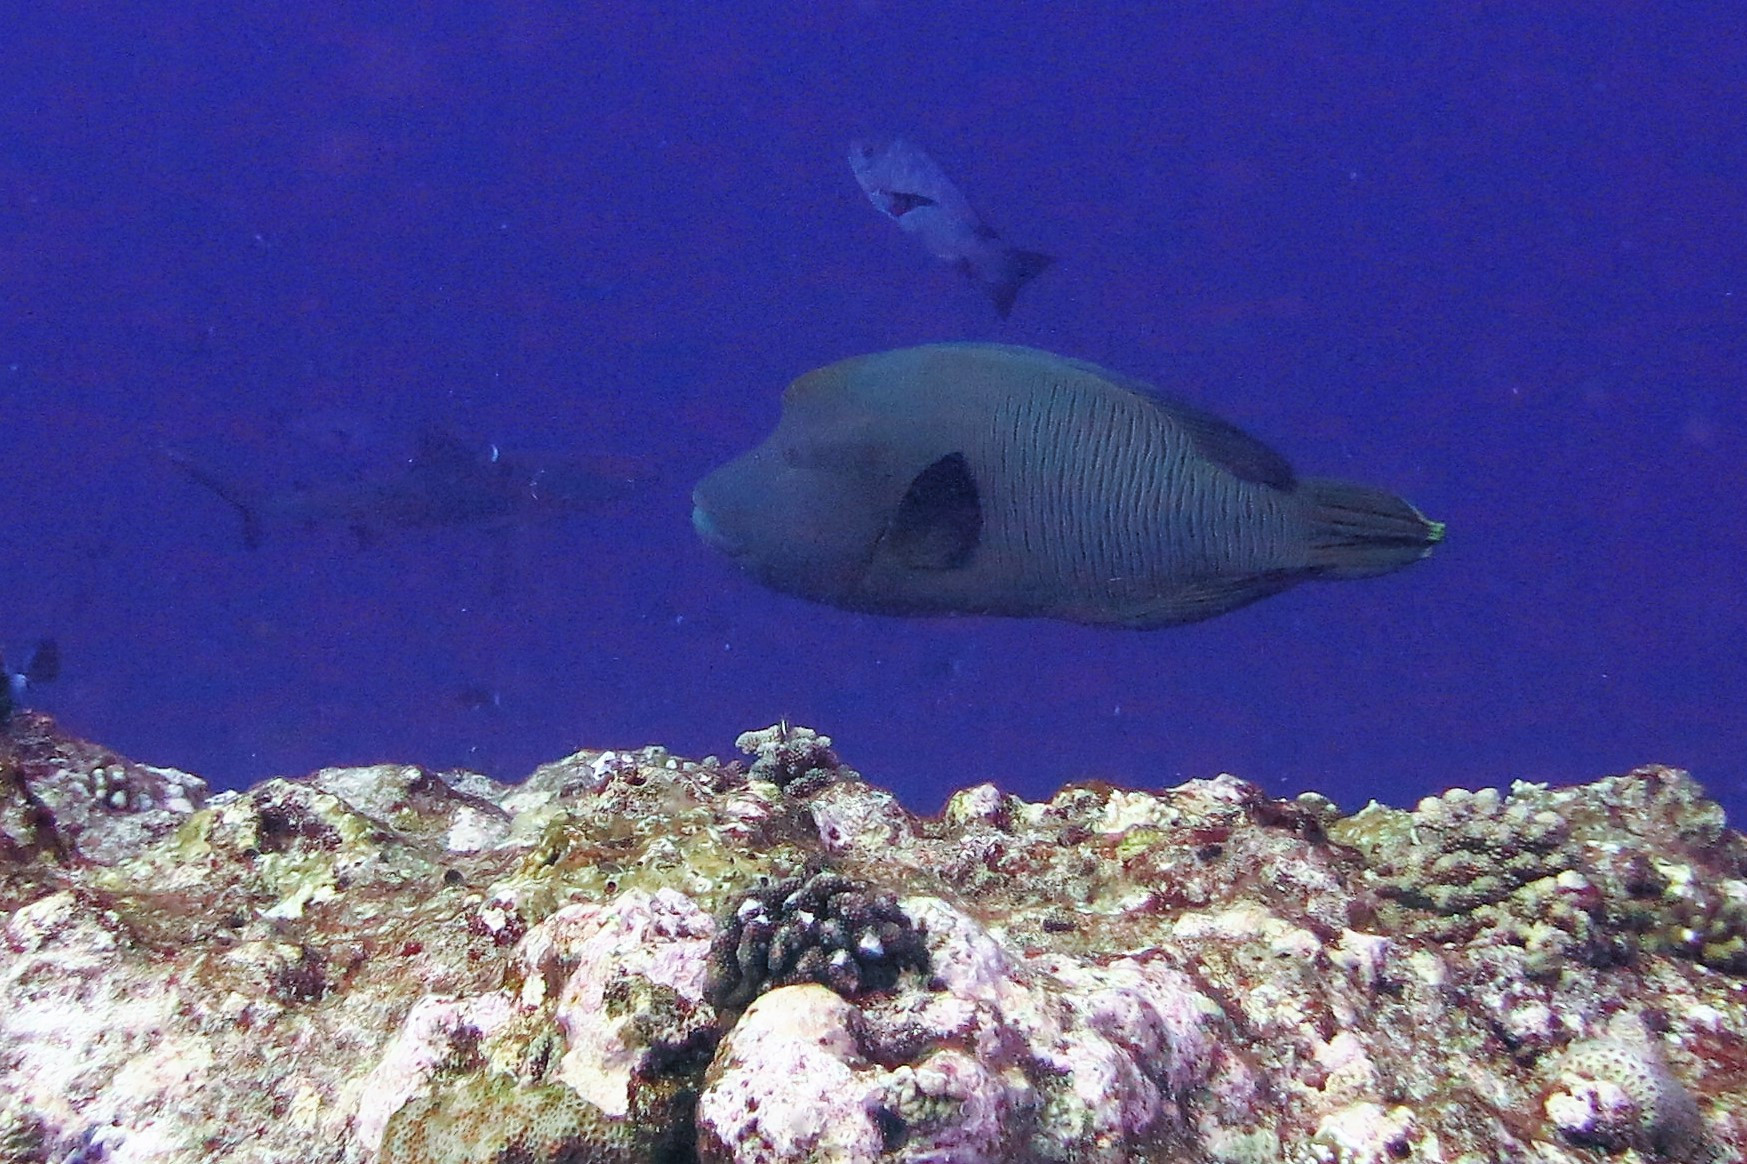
243 502
45 662
1019 269
1359 532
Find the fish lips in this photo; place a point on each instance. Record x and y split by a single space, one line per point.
709 531
788 528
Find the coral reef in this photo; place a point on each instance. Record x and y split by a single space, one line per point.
632 957
1552 870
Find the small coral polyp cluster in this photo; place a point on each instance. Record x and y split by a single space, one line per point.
823 928
631 958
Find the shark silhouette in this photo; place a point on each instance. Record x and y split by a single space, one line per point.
445 483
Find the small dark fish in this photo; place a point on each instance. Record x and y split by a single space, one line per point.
445 483
44 667
905 184
983 479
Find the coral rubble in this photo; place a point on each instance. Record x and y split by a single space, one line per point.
634 957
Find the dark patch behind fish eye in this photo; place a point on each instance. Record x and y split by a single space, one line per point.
940 520
903 203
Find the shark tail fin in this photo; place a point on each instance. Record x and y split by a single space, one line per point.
239 499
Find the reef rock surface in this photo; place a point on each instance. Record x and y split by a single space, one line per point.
634 957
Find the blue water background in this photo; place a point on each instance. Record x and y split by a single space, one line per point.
1493 256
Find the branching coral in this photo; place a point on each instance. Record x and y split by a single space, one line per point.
796 759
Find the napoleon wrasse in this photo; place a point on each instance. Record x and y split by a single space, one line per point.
986 479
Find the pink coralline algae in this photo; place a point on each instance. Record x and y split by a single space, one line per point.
631 957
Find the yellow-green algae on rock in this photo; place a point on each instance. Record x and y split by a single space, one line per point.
394 964
493 1117
1555 870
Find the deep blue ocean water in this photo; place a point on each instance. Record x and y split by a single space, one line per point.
1492 256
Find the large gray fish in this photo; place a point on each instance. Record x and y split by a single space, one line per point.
906 185
985 479
445 483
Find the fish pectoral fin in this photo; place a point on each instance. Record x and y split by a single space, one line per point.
1204 598
939 522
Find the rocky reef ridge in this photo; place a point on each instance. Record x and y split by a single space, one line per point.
634 957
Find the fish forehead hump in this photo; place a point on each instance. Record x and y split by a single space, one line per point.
918 380
829 427
947 395
952 396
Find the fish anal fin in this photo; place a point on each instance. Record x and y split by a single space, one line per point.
1205 598
939 522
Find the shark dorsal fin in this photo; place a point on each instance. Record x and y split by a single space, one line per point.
439 446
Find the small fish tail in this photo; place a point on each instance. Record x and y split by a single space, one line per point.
1018 269
1360 532
45 662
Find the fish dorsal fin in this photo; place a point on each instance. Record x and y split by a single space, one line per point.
1227 445
940 519
45 662
1218 440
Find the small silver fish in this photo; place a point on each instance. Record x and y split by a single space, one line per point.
908 186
